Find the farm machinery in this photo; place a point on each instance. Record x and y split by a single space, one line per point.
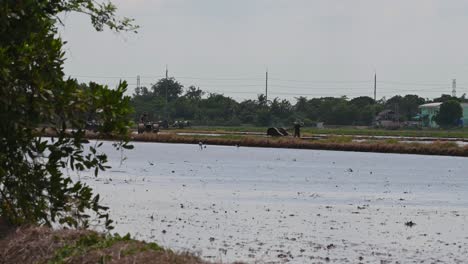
277 132
181 124
148 127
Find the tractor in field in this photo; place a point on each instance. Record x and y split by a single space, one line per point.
163 124
148 127
92 125
181 124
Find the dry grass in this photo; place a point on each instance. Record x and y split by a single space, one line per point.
343 144
339 143
44 245
337 139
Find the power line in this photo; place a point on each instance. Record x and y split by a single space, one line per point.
101 77
259 79
240 85
358 90
412 83
213 78
316 86
308 88
219 79
305 88
218 85
205 79
346 89
318 81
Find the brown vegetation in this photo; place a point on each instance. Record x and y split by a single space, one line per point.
44 245
436 148
338 143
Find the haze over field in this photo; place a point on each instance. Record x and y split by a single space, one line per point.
225 46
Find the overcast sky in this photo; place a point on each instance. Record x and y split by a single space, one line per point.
311 48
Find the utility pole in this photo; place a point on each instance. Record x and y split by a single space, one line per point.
454 87
165 105
375 97
375 87
138 81
266 86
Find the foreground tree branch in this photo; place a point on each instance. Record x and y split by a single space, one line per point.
34 94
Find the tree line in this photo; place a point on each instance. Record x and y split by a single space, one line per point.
203 108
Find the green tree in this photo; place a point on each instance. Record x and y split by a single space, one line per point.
301 104
184 108
263 117
141 91
406 106
365 110
167 87
194 93
280 111
247 111
410 106
262 100
33 93
449 114
362 101
218 108
444 98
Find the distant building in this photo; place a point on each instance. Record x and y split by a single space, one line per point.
429 111
388 119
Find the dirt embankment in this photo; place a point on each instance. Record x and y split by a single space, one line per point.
436 148
441 148
44 245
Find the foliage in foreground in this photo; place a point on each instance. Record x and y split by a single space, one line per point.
34 94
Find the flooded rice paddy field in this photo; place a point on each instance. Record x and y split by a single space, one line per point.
261 205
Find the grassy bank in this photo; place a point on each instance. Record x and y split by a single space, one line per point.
44 245
436 133
333 143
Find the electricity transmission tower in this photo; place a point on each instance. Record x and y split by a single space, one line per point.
454 87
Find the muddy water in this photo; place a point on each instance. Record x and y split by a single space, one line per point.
301 206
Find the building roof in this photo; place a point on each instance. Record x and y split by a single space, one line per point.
430 105
387 115
386 112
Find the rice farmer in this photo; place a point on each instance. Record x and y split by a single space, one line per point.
165 124
297 129
144 118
